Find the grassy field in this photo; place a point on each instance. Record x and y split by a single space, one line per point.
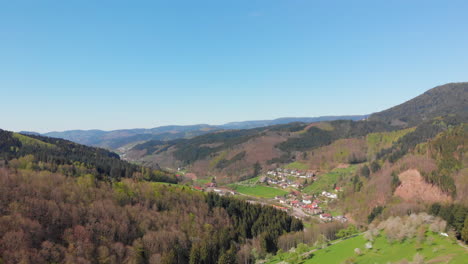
325 181
297 165
202 181
441 250
258 190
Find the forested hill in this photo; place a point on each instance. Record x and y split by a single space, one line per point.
235 154
62 202
442 100
122 139
71 159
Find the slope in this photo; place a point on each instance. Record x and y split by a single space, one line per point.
442 100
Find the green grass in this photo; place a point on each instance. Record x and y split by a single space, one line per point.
250 181
442 249
218 158
326 181
297 165
202 181
258 190
378 141
25 140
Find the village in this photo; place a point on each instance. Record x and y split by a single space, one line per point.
295 202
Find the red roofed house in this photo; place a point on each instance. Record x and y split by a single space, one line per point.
326 217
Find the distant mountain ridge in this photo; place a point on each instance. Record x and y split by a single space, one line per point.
116 139
286 120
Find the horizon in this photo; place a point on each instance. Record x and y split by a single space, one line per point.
112 65
198 124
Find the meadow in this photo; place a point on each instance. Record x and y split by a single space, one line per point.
258 190
436 249
326 181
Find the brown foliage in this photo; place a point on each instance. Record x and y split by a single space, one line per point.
49 218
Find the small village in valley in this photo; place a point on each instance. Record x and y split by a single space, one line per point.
290 182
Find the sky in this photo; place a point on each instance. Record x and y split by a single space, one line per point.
100 64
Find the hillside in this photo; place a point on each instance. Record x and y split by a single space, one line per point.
62 156
121 140
232 154
118 138
61 202
318 146
442 100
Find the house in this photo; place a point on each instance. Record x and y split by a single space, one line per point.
329 195
210 185
281 208
295 203
313 209
326 217
307 201
341 218
317 210
338 189
198 188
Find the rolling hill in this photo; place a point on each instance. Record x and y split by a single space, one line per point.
442 100
121 140
232 154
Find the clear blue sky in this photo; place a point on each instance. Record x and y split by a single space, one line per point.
125 64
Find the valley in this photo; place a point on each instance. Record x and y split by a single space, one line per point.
341 191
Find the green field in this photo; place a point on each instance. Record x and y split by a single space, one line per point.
325 181
258 190
441 250
297 165
202 181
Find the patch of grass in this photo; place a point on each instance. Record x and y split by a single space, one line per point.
250 181
217 159
202 181
379 141
258 190
25 140
382 251
326 181
297 165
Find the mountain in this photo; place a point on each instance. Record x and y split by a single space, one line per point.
125 138
119 138
232 155
442 100
286 120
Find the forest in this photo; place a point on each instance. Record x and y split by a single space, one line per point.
61 202
50 218
316 137
71 159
